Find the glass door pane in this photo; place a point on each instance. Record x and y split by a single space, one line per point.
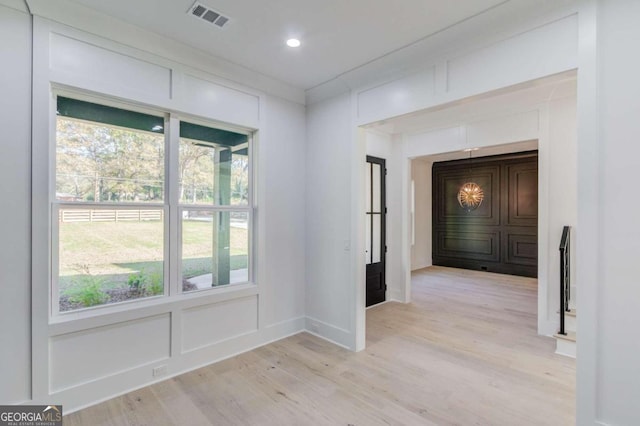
368 239
375 192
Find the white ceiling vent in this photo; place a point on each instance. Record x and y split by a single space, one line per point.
205 13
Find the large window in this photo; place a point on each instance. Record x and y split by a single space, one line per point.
111 234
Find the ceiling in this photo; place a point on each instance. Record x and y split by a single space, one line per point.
337 35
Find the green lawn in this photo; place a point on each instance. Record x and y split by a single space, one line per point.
116 250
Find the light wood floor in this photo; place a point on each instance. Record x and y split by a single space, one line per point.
465 352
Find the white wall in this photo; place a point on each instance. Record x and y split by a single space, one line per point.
15 216
282 155
421 249
329 297
82 358
335 286
548 49
563 192
608 219
606 165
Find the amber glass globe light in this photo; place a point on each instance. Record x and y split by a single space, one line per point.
470 196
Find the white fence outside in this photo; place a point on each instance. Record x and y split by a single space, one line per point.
73 215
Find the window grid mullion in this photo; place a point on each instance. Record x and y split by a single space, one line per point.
173 194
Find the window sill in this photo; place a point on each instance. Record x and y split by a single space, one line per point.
136 309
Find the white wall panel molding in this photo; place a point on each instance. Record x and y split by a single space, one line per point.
90 355
195 329
80 64
84 61
41 163
110 386
236 345
356 247
511 19
78 321
208 325
543 51
83 18
208 99
15 187
396 97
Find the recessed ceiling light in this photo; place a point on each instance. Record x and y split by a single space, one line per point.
293 42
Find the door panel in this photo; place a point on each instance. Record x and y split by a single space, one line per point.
376 230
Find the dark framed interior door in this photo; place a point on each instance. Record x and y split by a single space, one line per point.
376 230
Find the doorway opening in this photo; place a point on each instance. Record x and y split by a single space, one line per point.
500 234
533 117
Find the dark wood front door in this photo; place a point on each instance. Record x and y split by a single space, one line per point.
501 235
376 230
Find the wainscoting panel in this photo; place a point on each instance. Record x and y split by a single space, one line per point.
522 181
469 245
89 355
501 234
210 324
522 249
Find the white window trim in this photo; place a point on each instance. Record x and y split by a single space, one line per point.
171 207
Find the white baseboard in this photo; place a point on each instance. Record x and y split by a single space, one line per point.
381 303
394 294
105 388
331 333
420 266
566 348
547 328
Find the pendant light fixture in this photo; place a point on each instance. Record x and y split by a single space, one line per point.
470 195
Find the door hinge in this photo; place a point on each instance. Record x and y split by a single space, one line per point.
385 171
385 249
385 287
385 210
